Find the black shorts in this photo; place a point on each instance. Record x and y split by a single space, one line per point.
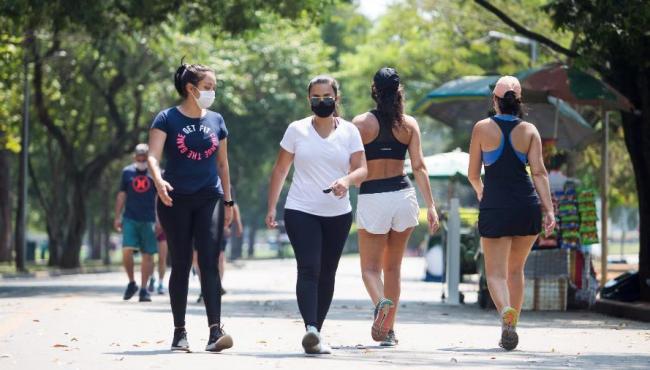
503 222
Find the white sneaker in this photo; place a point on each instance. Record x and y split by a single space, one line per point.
311 341
325 349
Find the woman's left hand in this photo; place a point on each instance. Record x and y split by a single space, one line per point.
227 216
340 187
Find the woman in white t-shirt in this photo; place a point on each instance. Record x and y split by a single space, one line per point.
328 156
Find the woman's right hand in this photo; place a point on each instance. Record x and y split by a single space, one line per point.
164 188
271 223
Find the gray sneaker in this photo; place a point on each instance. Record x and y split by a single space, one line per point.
390 341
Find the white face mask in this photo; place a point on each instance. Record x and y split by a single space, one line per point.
141 166
206 98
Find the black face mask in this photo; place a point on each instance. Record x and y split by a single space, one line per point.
324 109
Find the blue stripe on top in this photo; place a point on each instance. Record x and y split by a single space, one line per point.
491 156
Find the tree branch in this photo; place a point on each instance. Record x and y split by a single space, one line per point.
524 31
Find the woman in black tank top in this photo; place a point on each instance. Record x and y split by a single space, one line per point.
510 214
387 207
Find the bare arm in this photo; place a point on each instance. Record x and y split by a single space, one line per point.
237 219
278 176
156 142
540 180
358 173
120 199
421 175
224 175
474 169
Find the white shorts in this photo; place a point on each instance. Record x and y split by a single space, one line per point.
378 213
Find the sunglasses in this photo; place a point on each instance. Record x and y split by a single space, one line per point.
328 100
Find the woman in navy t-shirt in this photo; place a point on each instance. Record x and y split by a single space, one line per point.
194 142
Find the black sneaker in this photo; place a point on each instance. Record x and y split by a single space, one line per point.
144 296
219 340
180 342
152 283
130 291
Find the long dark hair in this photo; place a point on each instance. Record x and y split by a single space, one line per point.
328 80
390 104
189 73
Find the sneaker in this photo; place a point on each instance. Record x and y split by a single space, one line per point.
390 341
325 349
130 291
144 296
509 337
152 284
180 342
311 341
379 332
200 299
219 340
161 289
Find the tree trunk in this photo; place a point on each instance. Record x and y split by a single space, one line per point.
5 206
76 224
637 140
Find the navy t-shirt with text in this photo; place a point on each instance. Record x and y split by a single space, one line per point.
140 194
191 150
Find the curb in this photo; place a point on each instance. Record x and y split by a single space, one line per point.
639 311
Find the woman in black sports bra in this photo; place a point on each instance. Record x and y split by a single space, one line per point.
387 210
510 215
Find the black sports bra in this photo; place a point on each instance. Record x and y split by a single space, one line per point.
385 146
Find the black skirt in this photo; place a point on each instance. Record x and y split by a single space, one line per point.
503 222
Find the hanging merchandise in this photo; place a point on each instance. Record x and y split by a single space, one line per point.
588 216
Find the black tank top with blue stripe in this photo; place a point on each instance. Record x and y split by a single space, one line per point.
507 184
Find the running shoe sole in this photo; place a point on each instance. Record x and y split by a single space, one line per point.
222 343
509 340
310 343
378 331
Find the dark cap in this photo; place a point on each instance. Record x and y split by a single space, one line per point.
386 79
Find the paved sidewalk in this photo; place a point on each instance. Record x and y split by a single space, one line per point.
80 322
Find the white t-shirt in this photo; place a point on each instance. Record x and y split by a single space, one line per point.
318 162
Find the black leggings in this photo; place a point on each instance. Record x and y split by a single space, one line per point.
317 243
190 221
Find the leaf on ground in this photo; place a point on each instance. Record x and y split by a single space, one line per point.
5 355
74 339
144 342
261 341
120 359
60 346
36 320
454 360
136 345
114 344
160 341
492 358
